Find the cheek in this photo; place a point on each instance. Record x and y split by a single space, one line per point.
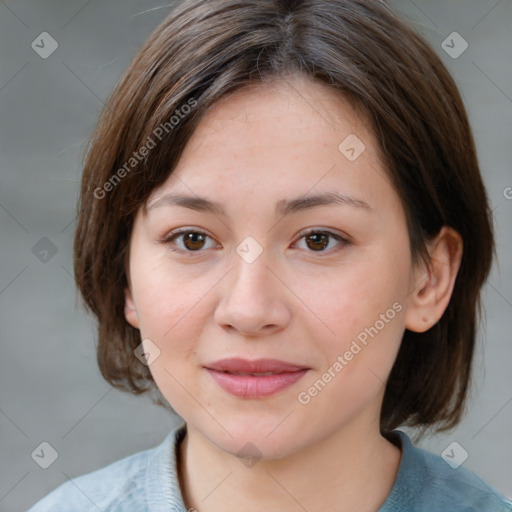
348 299
168 308
172 311
163 295
360 308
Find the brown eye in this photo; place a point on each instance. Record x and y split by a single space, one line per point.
321 241
193 241
188 241
317 241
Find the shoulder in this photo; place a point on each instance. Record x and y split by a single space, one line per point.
118 487
111 488
425 482
461 488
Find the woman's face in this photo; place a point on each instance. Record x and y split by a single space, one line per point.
300 254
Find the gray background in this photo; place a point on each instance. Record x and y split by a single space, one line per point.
50 387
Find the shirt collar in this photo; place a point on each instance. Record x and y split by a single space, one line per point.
408 483
163 493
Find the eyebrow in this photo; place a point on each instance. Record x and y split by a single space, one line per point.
283 207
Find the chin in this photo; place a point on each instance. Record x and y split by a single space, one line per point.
268 440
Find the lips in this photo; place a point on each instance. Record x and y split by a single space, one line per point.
254 379
257 366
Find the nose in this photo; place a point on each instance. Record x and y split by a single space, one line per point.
253 301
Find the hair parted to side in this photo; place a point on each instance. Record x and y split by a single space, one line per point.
204 50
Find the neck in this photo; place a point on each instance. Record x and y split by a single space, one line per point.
353 469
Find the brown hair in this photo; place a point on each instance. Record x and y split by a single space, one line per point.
205 50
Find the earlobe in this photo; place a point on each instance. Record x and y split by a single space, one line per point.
435 281
130 313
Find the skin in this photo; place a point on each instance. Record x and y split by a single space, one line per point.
296 302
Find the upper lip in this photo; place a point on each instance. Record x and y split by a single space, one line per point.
237 364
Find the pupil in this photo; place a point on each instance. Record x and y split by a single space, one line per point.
194 241
320 239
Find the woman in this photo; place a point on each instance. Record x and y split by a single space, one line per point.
283 234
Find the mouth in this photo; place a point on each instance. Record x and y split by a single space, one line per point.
254 379
255 374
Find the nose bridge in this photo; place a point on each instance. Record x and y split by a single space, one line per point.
251 282
251 274
252 277
251 299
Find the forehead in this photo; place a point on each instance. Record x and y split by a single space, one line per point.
283 110
291 134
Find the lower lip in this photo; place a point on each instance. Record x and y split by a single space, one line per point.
251 386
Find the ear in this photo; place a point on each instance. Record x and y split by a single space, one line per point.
435 281
130 313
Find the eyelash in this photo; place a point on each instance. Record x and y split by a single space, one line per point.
169 239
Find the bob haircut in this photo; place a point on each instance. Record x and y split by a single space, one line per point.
202 52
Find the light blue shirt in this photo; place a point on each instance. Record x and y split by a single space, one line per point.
147 481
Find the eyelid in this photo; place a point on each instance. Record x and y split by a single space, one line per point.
328 231
168 238
343 240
